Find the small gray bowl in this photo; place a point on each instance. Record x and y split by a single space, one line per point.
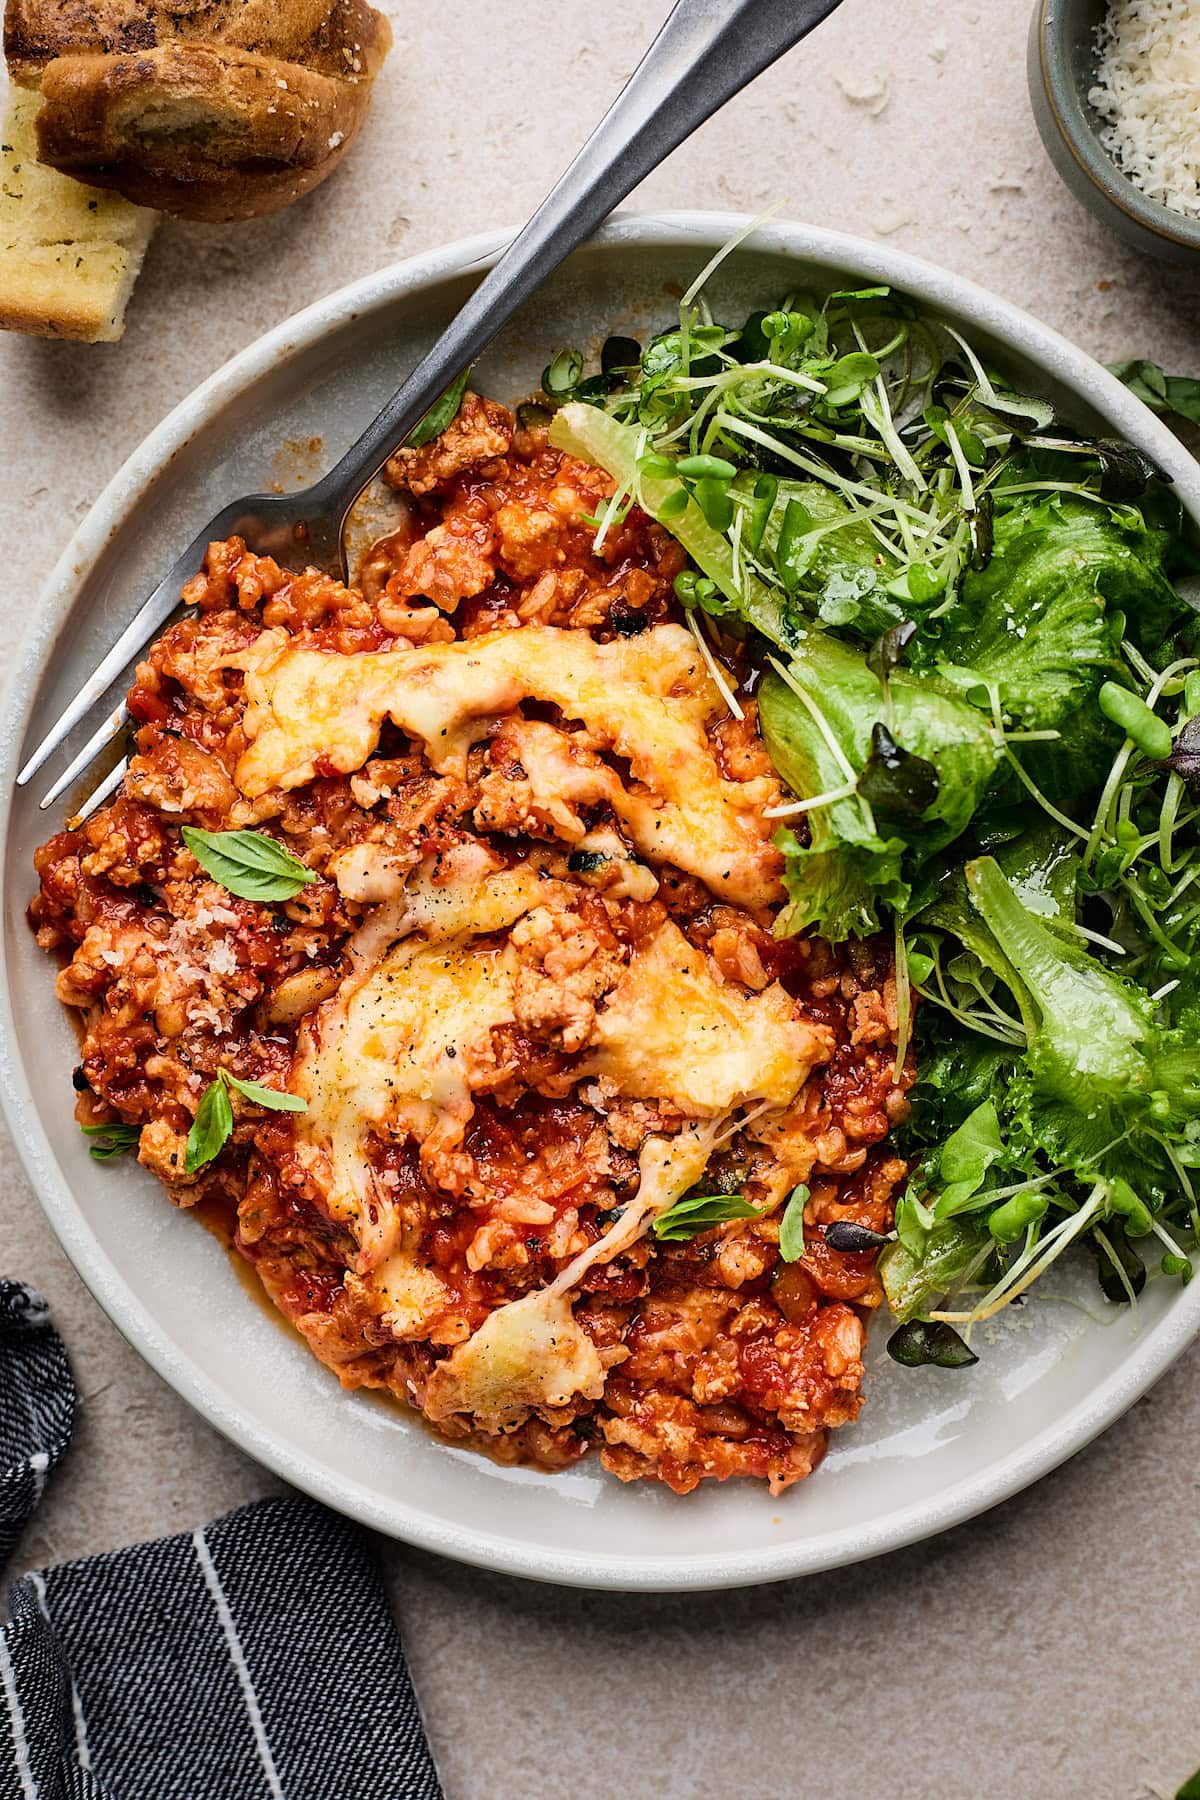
1061 64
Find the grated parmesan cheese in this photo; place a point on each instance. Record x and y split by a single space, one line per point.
1147 91
222 958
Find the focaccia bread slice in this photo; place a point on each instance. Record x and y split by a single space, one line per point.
69 254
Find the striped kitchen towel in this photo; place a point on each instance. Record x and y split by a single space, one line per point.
251 1659
37 1406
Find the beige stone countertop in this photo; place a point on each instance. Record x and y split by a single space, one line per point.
1047 1649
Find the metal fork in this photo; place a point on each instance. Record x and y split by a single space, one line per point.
706 52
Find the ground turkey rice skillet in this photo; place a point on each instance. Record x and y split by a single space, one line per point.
529 1000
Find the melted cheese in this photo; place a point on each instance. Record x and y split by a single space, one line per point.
646 699
672 1030
533 1354
410 1290
387 1052
530 1354
395 1055
391 1053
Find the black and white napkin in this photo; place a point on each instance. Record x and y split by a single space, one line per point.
251 1659
37 1406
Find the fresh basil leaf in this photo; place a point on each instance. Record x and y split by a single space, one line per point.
925 1341
274 1099
249 863
853 1240
791 1226
699 1212
894 781
112 1140
210 1127
1190 1789
442 413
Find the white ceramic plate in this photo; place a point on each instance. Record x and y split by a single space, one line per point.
933 1447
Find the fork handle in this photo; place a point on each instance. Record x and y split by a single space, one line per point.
706 52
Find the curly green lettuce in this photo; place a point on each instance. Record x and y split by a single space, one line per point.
820 718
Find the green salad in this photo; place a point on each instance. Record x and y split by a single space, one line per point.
980 657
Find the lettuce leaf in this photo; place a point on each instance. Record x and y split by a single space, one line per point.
1178 394
1101 1068
913 1280
1089 1031
958 1071
819 725
1042 625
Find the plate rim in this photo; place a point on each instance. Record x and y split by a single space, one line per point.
1149 1357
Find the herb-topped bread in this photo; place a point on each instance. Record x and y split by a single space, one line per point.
69 254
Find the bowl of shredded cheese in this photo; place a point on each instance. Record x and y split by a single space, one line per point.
1116 93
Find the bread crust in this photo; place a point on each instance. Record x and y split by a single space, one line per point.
313 32
44 310
213 109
